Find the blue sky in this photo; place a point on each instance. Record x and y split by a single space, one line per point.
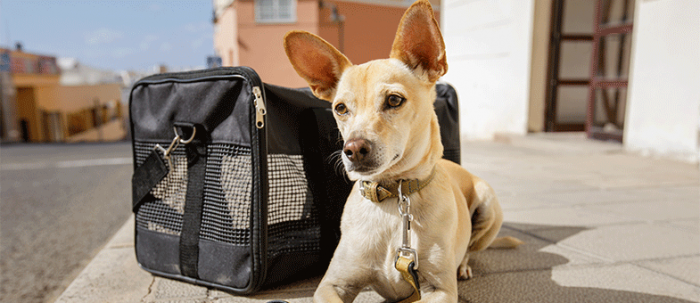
112 34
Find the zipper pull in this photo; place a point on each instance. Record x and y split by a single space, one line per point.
260 109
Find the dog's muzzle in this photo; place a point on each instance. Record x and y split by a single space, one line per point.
359 156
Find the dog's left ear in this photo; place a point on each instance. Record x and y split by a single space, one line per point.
317 61
418 42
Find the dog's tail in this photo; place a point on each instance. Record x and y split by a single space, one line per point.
505 242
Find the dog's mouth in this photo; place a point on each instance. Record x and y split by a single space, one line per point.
361 168
369 168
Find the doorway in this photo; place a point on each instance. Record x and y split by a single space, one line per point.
587 67
26 114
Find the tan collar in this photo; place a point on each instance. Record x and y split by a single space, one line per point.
377 193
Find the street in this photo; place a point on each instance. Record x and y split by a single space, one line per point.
59 204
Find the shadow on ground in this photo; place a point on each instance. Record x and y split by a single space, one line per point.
525 274
510 275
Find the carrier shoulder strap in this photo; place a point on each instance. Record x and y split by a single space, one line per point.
196 151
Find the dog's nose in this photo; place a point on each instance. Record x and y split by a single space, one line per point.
356 149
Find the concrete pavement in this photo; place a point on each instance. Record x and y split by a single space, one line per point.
600 225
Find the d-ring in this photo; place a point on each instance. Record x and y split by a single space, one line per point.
194 132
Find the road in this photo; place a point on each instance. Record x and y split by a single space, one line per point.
59 204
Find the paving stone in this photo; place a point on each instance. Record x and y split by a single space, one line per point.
631 242
181 300
535 254
172 289
112 276
512 202
586 197
292 297
540 286
626 277
564 216
659 210
684 268
691 225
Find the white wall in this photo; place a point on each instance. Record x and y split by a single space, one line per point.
489 45
664 86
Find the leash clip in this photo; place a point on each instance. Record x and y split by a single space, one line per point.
406 217
406 261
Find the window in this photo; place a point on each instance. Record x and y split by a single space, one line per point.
275 11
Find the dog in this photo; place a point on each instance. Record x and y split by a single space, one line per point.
384 111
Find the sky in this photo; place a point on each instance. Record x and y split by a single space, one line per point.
112 34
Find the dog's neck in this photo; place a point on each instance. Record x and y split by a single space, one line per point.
376 192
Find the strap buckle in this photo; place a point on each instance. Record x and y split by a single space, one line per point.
408 253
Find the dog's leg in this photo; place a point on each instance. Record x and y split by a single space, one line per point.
464 272
439 287
487 217
438 281
328 292
346 275
339 284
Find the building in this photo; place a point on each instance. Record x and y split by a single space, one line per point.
36 107
250 32
620 70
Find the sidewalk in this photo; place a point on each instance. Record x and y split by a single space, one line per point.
600 225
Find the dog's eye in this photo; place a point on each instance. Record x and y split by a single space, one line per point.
393 101
341 109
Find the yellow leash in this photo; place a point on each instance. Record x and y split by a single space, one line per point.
405 267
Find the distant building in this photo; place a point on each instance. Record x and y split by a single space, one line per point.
75 73
250 32
37 107
620 70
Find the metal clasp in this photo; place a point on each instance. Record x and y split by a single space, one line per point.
173 145
406 217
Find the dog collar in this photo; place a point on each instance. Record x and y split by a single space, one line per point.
377 193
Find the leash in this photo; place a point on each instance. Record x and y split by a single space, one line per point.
406 261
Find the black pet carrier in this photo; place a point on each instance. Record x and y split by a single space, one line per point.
236 184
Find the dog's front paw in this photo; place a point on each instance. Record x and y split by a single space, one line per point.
464 272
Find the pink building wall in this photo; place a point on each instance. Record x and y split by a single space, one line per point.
368 32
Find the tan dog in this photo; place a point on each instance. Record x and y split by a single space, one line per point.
384 110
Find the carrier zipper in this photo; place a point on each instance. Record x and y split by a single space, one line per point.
260 110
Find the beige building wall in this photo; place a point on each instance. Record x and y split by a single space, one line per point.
663 111
78 102
261 45
45 108
226 36
489 46
367 31
35 93
75 98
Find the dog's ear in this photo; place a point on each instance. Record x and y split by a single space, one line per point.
317 61
418 42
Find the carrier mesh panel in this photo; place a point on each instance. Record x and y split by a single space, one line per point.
293 223
165 213
227 194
